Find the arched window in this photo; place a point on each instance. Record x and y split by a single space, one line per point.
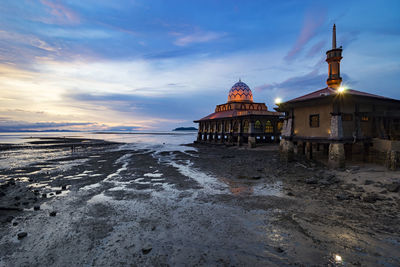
226 126
257 125
279 126
268 127
246 126
236 127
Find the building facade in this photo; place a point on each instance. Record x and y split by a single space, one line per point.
341 124
240 121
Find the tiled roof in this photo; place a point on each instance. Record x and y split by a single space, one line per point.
330 91
235 113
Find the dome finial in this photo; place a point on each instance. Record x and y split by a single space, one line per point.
240 80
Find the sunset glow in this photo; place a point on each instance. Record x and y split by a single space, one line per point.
103 65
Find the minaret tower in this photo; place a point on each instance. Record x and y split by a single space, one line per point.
333 58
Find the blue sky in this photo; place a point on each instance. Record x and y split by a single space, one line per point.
156 65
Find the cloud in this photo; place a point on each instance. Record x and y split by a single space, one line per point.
309 81
197 37
26 40
317 49
299 85
80 33
313 20
17 126
61 13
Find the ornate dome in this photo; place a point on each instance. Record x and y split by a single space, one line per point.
240 92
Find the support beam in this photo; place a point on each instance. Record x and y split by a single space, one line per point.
336 156
286 150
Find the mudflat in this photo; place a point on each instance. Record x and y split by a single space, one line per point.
195 205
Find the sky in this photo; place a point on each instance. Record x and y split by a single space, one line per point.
156 65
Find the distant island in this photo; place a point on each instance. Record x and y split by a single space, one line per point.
185 129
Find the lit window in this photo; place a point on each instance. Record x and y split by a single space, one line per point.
280 125
364 118
347 117
314 121
268 127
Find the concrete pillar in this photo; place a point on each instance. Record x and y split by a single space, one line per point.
336 126
239 140
392 160
309 150
300 148
222 135
230 134
287 127
314 149
251 139
336 156
286 150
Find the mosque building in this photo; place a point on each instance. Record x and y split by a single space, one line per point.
240 120
341 125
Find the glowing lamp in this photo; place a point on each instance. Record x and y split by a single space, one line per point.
341 89
338 258
278 101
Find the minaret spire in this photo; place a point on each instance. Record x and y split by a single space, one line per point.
334 37
333 58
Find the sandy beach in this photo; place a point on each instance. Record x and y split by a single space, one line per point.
195 205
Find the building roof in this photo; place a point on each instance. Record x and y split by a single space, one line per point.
236 113
327 91
240 92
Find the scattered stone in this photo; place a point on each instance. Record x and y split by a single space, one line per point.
64 187
394 187
9 219
312 180
53 213
343 196
371 198
324 182
36 208
146 250
290 194
22 235
359 189
58 192
51 194
368 182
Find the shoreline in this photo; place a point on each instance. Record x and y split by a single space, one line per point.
201 205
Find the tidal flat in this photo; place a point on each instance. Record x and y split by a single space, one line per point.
192 205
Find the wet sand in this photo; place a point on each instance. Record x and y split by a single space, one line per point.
197 205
